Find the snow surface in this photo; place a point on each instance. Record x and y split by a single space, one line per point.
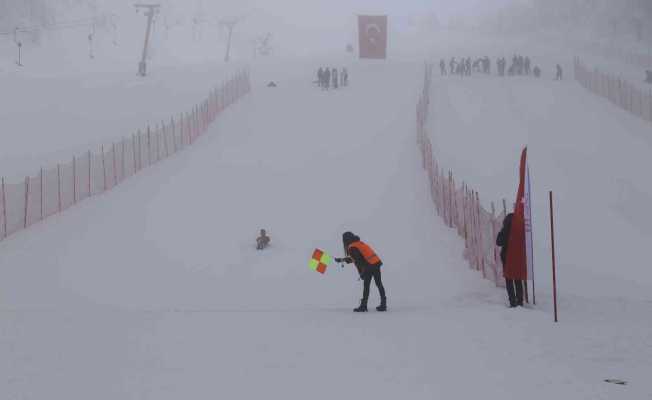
154 290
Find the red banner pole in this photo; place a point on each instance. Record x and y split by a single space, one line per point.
554 266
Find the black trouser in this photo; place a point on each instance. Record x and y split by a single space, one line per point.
372 272
514 291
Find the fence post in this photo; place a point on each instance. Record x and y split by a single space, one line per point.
554 264
115 166
26 199
165 139
149 146
122 152
133 150
158 143
493 237
90 170
189 128
480 236
174 134
4 209
74 180
450 199
59 185
104 168
42 183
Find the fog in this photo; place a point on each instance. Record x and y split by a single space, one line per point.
136 176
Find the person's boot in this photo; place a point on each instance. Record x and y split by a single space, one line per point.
362 308
383 305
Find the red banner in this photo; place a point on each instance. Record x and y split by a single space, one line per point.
515 266
372 32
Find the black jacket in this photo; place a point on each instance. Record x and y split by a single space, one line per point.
503 237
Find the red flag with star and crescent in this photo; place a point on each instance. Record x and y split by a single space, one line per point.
372 31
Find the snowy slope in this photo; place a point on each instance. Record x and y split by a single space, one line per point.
154 291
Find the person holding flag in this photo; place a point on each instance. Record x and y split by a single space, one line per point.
515 239
514 286
368 264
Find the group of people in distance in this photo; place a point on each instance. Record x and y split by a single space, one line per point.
520 66
331 77
465 66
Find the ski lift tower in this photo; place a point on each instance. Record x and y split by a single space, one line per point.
229 25
150 11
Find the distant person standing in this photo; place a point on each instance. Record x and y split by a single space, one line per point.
345 77
527 65
336 81
514 286
327 78
442 67
320 77
560 73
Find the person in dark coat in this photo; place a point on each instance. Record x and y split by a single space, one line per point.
527 65
368 264
320 77
514 287
537 72
560 73
336 80
442 67
327 78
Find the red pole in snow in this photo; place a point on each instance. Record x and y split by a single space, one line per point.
554 266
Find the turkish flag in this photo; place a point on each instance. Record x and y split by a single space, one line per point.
372 30
516 262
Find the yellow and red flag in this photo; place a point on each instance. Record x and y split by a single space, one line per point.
319 261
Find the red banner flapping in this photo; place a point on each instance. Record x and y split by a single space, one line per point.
515 267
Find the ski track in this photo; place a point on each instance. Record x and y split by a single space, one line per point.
154 290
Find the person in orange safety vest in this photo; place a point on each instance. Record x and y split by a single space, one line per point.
368 264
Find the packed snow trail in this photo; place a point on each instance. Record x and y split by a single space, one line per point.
155 291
